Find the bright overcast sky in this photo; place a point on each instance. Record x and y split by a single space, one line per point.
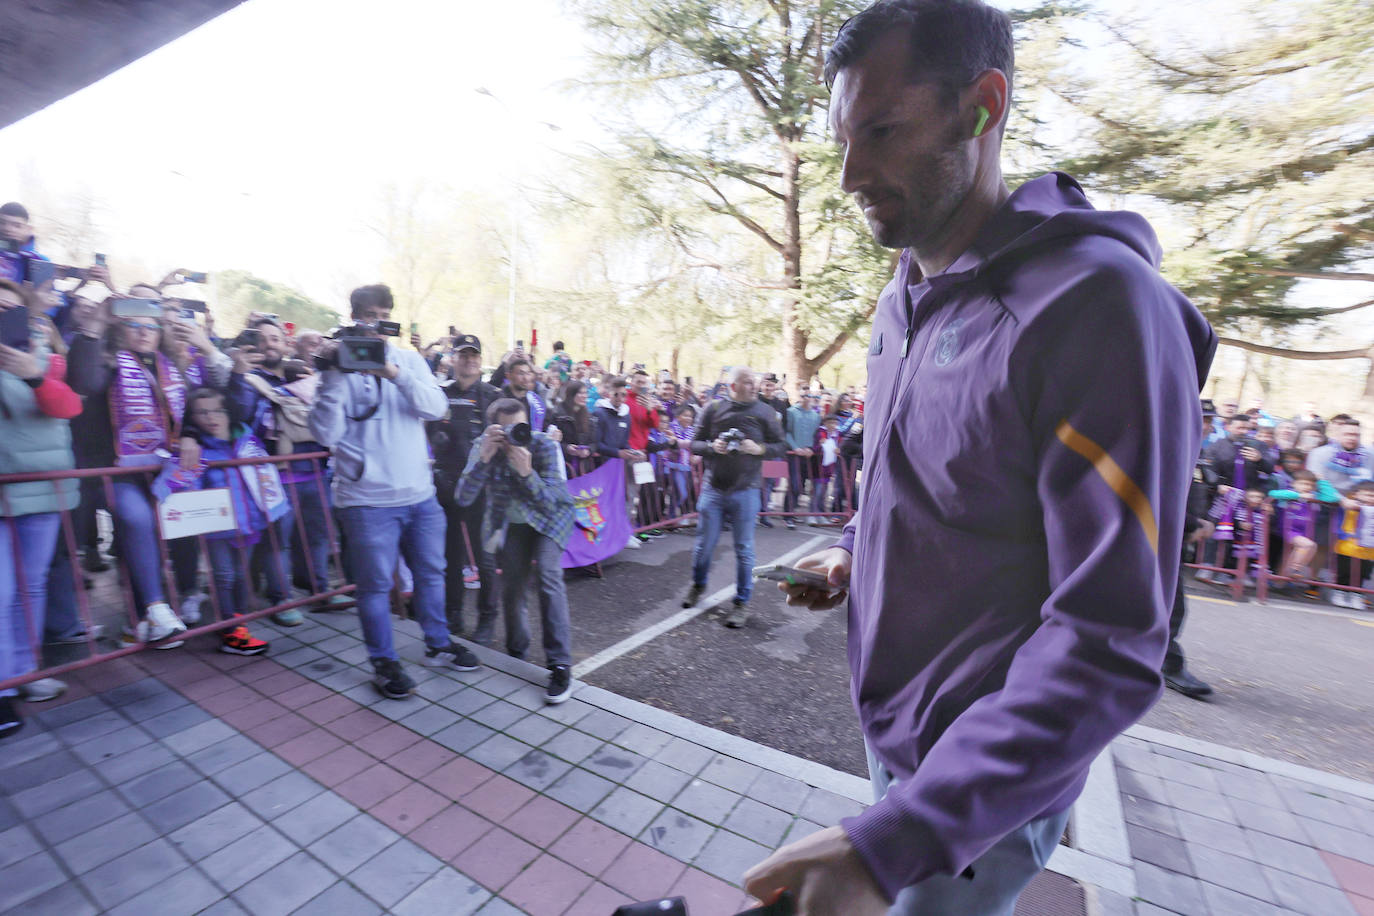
261 140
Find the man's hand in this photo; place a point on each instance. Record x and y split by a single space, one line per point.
389 372
415 341
246 359
824 873
190 453
19 363
720 446
750 447
493 437
555 434
1202 532
835 563
98 273
1249 453
521 461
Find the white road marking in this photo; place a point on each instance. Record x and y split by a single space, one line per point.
629 644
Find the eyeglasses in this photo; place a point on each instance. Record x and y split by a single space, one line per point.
142 326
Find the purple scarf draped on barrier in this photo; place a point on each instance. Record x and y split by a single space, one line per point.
146 412
601 527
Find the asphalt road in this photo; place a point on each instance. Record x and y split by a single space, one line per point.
1292 682
781 680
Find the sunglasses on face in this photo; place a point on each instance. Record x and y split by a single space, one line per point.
142 326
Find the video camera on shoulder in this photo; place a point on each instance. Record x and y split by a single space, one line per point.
359 350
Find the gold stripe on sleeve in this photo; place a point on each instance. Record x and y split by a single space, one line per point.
1120 482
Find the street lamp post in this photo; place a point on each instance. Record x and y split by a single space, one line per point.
514 224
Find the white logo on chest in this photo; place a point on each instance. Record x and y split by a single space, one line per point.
947 344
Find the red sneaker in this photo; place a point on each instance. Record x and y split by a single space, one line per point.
239 642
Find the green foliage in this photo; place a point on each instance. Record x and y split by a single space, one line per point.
1261 148
238 292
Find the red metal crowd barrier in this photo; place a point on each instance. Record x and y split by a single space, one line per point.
1271 559
96 609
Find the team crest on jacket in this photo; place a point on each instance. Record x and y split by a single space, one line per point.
947 345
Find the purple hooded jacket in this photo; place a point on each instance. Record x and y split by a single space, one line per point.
1032 423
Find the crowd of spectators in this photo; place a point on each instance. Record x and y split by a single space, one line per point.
1294 495
96 376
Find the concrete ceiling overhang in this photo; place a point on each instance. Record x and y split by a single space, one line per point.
51 48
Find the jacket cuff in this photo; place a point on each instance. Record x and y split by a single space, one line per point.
898 850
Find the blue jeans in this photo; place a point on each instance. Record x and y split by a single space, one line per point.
999 875
740 508
374 536
230 582
272 559
136 528
27 543
525 546
312 507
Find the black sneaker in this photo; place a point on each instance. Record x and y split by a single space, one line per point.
560 684
790 523
765 521
93 562
693 595
738 616
453 655
391 680
11 722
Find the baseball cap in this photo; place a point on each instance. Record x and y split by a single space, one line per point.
467 342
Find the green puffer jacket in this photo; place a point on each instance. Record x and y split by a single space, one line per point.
30 441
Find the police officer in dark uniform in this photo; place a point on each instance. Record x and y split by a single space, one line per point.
1197 528
451 439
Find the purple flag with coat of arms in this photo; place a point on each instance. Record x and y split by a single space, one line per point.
601 526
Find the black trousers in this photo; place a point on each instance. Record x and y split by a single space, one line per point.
456 557
1173 657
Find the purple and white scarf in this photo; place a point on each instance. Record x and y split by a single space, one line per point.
146 412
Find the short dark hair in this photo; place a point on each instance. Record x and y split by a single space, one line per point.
1340 418
1362 485
640 370
952 41
619 382
558 344
504 407
1351 421
1304 474
1292 453
519 361
377 295
267 319
14 208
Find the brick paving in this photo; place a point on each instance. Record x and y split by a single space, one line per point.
188 781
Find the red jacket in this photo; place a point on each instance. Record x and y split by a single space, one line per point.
642 419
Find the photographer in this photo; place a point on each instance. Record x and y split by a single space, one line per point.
373 420
529 516
734 436
451 440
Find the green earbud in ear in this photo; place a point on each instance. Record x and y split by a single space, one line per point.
983 116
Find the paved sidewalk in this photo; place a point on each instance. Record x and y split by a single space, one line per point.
187 781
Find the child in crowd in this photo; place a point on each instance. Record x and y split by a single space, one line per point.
1290 462
257 497
1295 523
1356 543
1239 515
827 449
678 461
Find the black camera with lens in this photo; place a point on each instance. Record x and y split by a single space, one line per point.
359 351
733 439
518 433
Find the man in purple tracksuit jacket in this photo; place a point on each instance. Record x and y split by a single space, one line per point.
1031 424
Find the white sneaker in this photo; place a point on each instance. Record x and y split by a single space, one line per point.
48 688
633 543
190 607
160 623
1340 598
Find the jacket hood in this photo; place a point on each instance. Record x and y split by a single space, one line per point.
1051 207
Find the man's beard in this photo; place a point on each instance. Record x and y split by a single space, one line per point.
936 185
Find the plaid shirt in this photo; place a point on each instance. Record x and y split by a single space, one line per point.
543 495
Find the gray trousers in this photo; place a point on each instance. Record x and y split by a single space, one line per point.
999 875
524 545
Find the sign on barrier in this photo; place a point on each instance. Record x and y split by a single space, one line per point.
196 512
